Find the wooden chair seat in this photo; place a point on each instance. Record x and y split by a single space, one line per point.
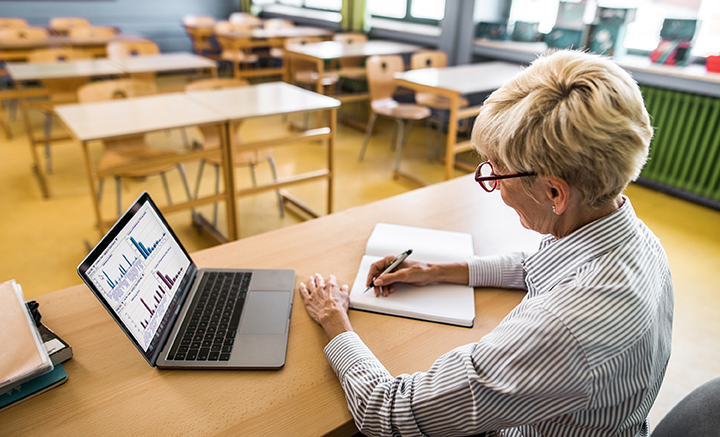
238 56
392 108
311 77
435 101
129 151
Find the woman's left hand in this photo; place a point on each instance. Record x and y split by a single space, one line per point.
327 304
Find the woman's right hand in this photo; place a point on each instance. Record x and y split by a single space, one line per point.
410 272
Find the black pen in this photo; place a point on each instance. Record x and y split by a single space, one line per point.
396 262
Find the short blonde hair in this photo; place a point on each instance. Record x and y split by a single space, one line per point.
571 115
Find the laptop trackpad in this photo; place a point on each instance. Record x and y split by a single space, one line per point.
265 312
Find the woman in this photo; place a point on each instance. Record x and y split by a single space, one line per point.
585 352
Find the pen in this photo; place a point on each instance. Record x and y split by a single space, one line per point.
396 262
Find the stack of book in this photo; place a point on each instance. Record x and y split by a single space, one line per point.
30 362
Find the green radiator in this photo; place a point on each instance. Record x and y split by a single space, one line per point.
685 151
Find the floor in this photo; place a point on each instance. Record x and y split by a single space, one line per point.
43 240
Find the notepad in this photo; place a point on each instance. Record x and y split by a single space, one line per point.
23 354
444 303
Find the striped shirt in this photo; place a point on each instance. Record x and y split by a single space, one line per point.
583 354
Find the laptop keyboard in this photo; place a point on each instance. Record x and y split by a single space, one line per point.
209 333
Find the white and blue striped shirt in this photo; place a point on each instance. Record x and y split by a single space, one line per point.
583 354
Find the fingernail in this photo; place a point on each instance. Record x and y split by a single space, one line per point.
378 281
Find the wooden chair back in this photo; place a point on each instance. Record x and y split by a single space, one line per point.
229 27
198 20
215 84
350 37
115 89
57 55
128 48
380 71
24 34
244 18
13 23
65 23
277 23
428 59
92 31
300 65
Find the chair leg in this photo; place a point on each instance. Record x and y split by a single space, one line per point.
183 176
368 133
199 178
252 175
100 190
281 205
167 188
441 127
48 134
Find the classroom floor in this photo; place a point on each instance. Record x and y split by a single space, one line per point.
43 240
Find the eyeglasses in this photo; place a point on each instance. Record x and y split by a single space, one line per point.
488 180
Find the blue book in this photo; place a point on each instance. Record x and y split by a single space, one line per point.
33 387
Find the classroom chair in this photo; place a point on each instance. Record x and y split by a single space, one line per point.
244 18
305 73
60 91
61 25
201 31
119 49
441 104
123 151
277 23
211 140
236 46
381 81
351 68
92 31
13 23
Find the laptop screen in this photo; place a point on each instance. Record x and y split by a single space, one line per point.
137 270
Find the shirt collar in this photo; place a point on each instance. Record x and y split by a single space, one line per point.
557 258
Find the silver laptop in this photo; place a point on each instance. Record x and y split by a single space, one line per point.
179 316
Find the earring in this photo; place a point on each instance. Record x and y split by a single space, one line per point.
554 212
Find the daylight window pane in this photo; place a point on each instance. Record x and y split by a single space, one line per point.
387 8
429 9
330 5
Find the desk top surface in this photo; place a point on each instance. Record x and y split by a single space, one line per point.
463 79
282 32
110 385
22 71
335 49
117 118
261 100
163 62
105 66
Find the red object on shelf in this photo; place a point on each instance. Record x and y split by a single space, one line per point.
712 63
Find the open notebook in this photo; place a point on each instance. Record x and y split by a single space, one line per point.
444 303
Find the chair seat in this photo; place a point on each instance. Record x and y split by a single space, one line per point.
312 77
406 111
436 101
238 57
128 151
352 72
276 52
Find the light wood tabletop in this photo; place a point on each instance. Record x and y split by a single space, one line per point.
453 82
336 50
25 71
111 387
164 62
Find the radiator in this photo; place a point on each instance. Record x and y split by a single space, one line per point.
685 151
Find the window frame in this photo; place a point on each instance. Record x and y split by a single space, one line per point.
409 18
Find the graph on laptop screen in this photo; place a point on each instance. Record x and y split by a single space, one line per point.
139 273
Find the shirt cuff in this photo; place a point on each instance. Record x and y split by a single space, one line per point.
346 350
485 271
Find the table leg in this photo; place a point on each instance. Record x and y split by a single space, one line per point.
91 180
331 158
37 167
229 172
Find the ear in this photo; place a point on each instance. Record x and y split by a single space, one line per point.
558 193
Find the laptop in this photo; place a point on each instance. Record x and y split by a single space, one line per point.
182 317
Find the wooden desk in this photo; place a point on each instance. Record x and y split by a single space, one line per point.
20 50
111 387
165 62
453 82
128 117
275 98
320 52
26 72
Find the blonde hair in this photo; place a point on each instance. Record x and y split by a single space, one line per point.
571 115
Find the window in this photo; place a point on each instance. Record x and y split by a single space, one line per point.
328 5
420 11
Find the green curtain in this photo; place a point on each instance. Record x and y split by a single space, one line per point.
245 5
353 16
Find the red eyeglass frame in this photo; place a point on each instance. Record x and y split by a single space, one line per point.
480 179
